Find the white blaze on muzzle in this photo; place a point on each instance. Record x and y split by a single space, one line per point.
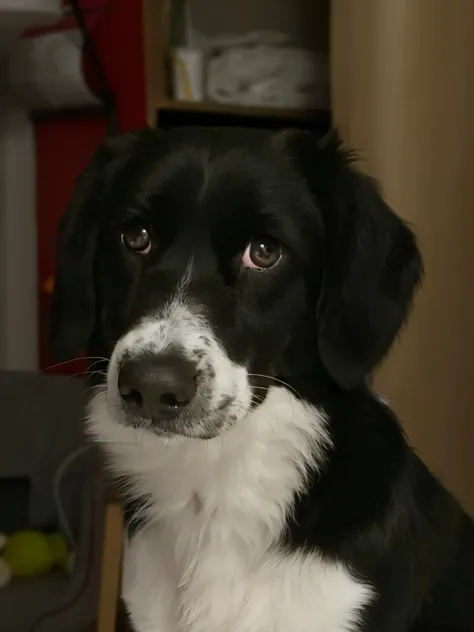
178 328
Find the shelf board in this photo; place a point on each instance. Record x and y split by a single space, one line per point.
81 111
210 107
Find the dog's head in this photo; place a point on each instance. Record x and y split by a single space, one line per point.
204 260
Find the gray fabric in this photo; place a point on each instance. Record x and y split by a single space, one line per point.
42 414
37 592
41 423
14 503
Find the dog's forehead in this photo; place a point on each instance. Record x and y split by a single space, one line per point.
202 172
198 181
227 187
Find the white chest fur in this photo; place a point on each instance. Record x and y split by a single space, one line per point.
210 561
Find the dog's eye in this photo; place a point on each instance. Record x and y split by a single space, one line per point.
137 237
262 253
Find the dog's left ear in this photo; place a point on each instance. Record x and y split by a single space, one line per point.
371 263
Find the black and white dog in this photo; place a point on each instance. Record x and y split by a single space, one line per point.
244 284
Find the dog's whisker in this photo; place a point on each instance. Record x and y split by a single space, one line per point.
277 380
65 362
94 363
93 387
268 388
98 372
71 376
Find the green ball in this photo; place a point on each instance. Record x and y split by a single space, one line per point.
28 553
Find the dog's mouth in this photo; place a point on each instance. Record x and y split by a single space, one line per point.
198 419
206 416
169 395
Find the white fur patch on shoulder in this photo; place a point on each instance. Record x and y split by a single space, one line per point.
211 560
277 592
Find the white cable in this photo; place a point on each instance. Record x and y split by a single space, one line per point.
62 468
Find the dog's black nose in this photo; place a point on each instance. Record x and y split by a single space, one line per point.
157 387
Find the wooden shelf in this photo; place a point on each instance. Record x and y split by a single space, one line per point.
81 111
210 107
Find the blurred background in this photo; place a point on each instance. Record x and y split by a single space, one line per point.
397 79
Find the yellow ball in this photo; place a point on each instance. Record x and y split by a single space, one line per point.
58 546
28 553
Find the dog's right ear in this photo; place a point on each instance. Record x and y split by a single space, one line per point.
72 315
371 265
73 310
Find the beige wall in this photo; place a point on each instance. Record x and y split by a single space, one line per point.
403 93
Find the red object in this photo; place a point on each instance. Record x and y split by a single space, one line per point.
118 36
65 142
63 150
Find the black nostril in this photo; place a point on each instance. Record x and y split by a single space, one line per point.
157 387
170 399
130 395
